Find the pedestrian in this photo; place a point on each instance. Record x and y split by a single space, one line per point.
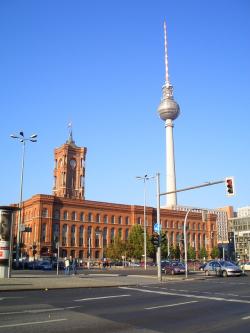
74 266
70 264
66 266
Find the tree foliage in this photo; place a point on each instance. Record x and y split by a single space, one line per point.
214 253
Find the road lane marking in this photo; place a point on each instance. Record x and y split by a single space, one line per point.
188 295
32 323
169 305
96 298
245 318
39 310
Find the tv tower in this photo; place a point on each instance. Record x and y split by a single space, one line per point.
169 110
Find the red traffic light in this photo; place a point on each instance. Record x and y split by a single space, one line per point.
230 186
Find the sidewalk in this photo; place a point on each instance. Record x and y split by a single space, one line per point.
45 281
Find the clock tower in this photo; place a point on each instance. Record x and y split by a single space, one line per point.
69 171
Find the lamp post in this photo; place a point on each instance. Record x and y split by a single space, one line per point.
23 140
144 178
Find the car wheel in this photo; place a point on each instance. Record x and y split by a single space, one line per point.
206 273
224 273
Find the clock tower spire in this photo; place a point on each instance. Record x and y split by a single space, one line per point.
69 170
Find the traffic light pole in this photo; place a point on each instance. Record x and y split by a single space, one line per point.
159 223
158 195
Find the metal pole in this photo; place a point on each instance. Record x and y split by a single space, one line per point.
185 241
20 211
58 253
235 256
145 232
159 222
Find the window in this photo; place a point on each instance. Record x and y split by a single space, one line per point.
64 234
120 233
127 220
138 220
119 220
112 235
126 234
73 216
105 219
43 232
73 234
90 217
104 235
57 214
65 215
81 231
112 219
82 217
98 218
45 212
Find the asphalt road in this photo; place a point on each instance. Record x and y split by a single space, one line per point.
209 305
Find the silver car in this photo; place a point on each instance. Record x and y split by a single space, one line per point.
222 268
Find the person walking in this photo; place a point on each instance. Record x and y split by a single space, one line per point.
74 266
66 266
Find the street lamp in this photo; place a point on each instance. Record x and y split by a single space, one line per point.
23 140
144 178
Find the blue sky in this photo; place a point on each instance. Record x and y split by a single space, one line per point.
100 65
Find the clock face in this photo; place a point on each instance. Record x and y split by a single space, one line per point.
72 164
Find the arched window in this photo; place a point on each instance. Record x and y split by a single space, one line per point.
81 238
90 217
139 220
64 234
112 219
112 235
98 218
105 219
126 234
120 233
57 214
82 217
127 220
43 232
104 235
45 212
65 215
73 235
73 216
119 220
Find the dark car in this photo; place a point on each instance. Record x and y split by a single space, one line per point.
174 268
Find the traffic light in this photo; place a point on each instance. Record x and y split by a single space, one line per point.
230 186
163 238
155 240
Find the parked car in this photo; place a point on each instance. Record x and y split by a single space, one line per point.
202 266
222 268
174 268
45 265
246 266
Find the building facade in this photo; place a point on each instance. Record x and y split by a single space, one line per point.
83 228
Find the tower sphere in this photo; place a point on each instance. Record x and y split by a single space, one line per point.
168 109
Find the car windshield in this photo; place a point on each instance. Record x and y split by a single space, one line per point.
227 264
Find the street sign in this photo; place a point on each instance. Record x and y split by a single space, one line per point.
157 228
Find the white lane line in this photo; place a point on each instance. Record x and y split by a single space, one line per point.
3 298
96 298
39 310
188 295
33 323
169 305
245 318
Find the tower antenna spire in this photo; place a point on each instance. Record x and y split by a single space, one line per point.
167 82
70 139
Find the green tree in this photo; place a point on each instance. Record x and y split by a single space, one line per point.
215 252
203 253
164 245
191 253
171 252
136 242
116 249
177 252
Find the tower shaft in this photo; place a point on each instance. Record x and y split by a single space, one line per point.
171 199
